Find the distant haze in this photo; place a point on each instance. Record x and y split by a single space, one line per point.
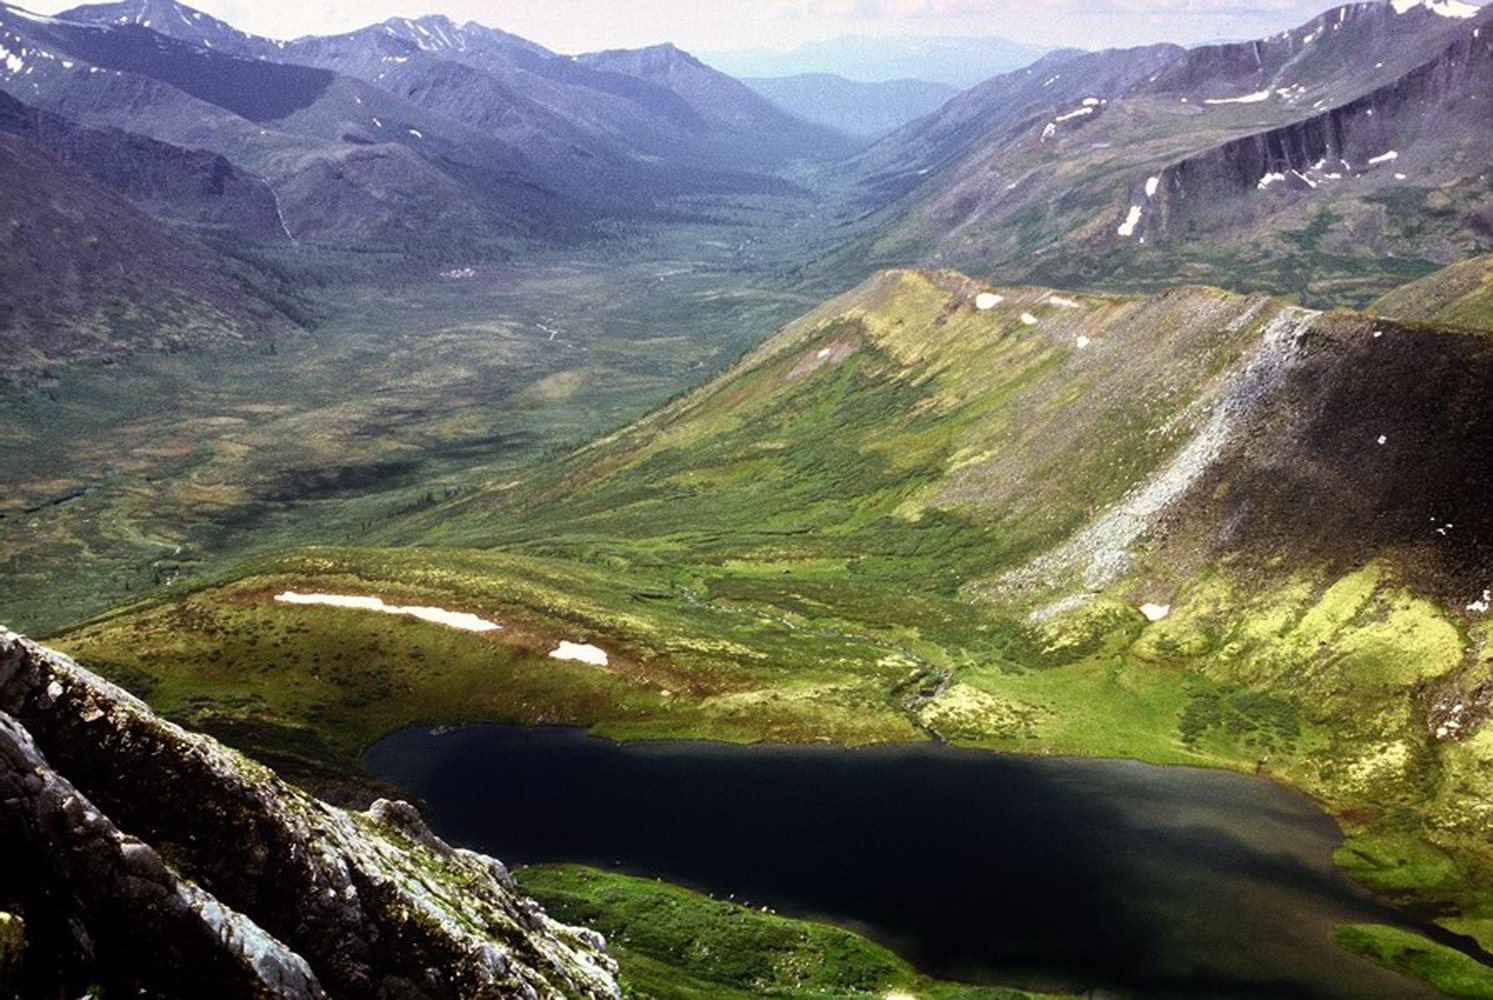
958 62
783 25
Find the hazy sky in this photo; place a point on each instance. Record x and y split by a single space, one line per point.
715 25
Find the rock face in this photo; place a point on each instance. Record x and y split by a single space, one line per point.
146 857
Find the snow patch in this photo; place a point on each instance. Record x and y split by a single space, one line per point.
1388 157
581 652
1155 612
1076 113
987 300
1082 341
1059 300
38 18
1446 8
1255 98
1152 184
1269 179
1127 228
440 616
1482 604
1028 319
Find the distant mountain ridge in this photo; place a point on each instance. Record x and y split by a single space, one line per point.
658 103
456 140
864 109
953 61
174 20
1332 161
722 102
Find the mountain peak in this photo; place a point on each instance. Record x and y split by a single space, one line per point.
651 59
175 20
147 13
439 33
433 31
1445 8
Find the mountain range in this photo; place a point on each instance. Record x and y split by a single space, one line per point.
87 274
411 133
1332 160
1138 405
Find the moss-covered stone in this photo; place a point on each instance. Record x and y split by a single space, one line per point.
12 952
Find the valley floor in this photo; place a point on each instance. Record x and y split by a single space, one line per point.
420 383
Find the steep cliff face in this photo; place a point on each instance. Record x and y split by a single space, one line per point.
1345 48
147 857
1432 122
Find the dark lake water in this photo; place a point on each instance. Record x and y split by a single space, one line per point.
975 866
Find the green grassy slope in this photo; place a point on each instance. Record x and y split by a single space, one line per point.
674 944
1460 295
1450 971
1196 528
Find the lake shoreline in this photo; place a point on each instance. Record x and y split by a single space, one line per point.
1244 806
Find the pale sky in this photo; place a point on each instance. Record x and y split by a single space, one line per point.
716 25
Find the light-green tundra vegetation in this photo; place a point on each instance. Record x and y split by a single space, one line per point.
1196 528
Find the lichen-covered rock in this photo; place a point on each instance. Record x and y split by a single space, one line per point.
370 904
99 878
12 951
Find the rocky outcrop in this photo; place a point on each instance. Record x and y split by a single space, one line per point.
98 876
157 859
